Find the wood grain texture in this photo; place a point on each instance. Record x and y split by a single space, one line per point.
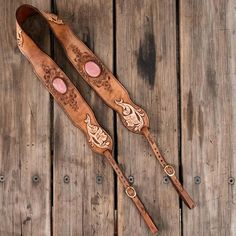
25 206
146 65
82 206
208 46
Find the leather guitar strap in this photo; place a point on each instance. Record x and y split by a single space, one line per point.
68 97
98 76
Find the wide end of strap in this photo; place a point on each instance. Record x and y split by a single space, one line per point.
24 11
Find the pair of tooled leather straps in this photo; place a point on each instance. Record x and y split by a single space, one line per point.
96 74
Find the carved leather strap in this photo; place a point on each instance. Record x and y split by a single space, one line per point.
112 92
70 100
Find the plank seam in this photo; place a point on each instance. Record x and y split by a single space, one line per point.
52 52
179 103
115 119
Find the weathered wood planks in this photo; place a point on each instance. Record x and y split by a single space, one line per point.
25 205
146 65
84 206
144 47
208 84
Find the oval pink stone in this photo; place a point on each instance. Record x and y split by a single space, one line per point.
92 69
59 85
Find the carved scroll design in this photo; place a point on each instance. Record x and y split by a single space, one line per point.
133 117
54 18
97 136
69 98
81 58
20 39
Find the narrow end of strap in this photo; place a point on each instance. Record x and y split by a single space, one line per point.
154 229
133 195
178 186
183 193
151 225
147 218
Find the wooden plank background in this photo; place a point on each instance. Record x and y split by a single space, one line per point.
208 99
83 206
178 61
25 205
148 56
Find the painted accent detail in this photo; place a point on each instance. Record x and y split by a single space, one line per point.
81 58
59 85
133 117
54 18
51 73
92 69
19 36
97 136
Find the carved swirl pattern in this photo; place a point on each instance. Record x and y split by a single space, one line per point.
81 58
133 117
19 37
97 136
69 98
54 18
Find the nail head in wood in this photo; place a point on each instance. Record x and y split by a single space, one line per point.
2 178
231 180
35 178
166 180
197 179
66 179
99 179
131 179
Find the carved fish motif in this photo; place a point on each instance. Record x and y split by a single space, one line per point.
132 116
97 136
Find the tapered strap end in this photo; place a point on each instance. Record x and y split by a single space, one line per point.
182 192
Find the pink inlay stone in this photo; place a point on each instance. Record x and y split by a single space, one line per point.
59 85
92 69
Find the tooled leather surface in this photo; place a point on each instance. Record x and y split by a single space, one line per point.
72 102
106 85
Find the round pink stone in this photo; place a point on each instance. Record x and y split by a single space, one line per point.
92 69
59 85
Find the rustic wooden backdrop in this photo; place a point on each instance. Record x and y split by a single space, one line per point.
178 60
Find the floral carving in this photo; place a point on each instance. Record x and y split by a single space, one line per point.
69 98
54 18
133 117
97 136
19 37
81 58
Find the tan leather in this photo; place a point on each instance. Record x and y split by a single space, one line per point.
72 102
111 91
169 170
107 87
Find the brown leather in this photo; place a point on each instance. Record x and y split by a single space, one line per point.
169 170
132 194
112 92
71 101
107 87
